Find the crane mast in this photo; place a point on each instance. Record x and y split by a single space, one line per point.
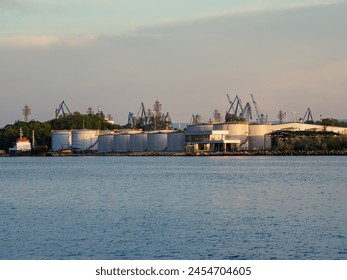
260 116
307 117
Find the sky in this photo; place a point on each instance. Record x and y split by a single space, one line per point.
188 54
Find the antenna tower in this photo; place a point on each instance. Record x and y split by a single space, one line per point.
26 112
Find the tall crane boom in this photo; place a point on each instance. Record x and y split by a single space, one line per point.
247 112
61 109
239 107
141 117
260 116
231 104
307 117
239 111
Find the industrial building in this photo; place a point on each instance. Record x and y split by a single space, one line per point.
209 137
243 136
219 137
148 131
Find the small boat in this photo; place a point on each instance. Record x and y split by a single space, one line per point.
38 150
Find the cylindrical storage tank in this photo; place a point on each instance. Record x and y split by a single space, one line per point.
138 142
157 142
84 139
121 143
61 140
176 142
105 143
237 131
257 139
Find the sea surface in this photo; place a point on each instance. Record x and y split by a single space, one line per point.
199 208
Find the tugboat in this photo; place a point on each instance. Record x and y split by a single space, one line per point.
23 147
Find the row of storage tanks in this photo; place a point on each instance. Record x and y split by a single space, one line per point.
107 142
172 141
251 136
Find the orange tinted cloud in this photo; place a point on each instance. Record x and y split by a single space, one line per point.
44 41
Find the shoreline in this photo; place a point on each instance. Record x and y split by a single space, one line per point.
202 153
191 154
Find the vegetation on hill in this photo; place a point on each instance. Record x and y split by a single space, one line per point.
233 118
10 133
332 122
80 121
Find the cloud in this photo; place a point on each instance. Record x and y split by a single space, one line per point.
256 7
79 40
29 41
44 41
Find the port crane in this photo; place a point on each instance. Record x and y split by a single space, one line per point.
260 116
196 119
62 110
131 120
238 102
247 112
166 120
141 118
307 117
231 104
238 109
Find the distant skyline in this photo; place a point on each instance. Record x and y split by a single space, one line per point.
188 54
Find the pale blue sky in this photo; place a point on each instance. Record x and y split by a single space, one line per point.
100 17
187 53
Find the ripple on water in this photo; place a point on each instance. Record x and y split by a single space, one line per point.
173 208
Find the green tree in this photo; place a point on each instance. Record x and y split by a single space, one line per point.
332 122
233 118
10 133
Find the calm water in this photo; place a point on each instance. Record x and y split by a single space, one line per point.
173 208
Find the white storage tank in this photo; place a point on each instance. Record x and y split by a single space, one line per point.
157 142
121 143
138 142
61 140
237 131
257 139
85 139
105 143
176 142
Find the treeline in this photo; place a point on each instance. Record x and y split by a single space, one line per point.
10 133
316 143
80 121
332 122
